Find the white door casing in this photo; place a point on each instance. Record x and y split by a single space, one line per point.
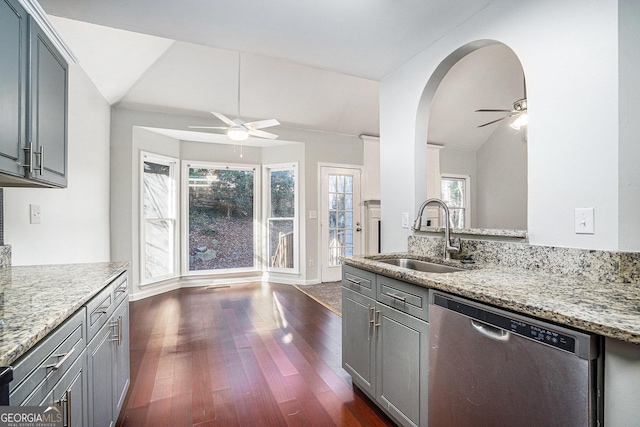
340 220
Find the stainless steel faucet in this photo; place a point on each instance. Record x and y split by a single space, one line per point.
448 245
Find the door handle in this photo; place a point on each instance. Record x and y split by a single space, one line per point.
489 331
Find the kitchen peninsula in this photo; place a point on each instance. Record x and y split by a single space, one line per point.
64 331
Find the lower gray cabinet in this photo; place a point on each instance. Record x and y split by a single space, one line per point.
386 352
402 371
69 394
108 362
358 342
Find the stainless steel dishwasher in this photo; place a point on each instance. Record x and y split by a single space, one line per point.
489 367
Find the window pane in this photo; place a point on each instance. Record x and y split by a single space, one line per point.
456 217
332 183
282 194
453 192
157 192
333 204
281 243
221 230
158 251
340 184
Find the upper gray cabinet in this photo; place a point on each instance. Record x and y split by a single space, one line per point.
33 103
13 87
47 110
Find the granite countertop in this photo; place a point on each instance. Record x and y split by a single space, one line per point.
34 300
610 309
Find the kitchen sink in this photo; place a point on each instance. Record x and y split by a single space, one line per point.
414 264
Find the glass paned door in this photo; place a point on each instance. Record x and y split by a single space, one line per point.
341 225
221 218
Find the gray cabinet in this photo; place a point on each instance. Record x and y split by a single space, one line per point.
33 103
108 355
13 85
47 130
83 365
385 344
54 373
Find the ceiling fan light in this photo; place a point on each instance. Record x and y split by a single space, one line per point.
522 120
237 134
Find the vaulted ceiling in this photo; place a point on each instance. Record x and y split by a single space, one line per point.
311 65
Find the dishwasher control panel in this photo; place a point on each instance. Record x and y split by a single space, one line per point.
523 328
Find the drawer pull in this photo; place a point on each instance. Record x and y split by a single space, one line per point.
355 282
101 310
122 288
396 297
63 359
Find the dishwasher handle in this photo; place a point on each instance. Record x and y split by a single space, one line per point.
489 331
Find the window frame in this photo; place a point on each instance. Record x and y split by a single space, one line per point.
171 162
467 195
184 208
266 190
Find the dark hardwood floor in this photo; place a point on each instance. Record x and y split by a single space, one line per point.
246 355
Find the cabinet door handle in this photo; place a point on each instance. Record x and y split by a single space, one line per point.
377 323
63 359
66 400
118 325
396 297
355 282
371 315
41 153
28 158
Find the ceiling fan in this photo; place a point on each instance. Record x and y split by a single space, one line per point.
239 130
519 109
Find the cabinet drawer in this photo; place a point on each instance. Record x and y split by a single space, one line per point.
402 296
360 281
45 364
120 289
99 310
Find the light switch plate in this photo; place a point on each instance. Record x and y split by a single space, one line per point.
34 214
584 221
313 214
405 219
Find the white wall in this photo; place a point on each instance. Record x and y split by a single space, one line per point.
569 53
501 183
75 220
629 18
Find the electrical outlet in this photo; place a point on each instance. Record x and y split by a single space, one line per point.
405 219
584 221
310 263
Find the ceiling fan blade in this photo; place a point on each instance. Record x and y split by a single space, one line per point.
262 134
223 118
260 124
493 111
207 127
494 121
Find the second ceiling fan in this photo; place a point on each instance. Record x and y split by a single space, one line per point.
519 108
239 130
